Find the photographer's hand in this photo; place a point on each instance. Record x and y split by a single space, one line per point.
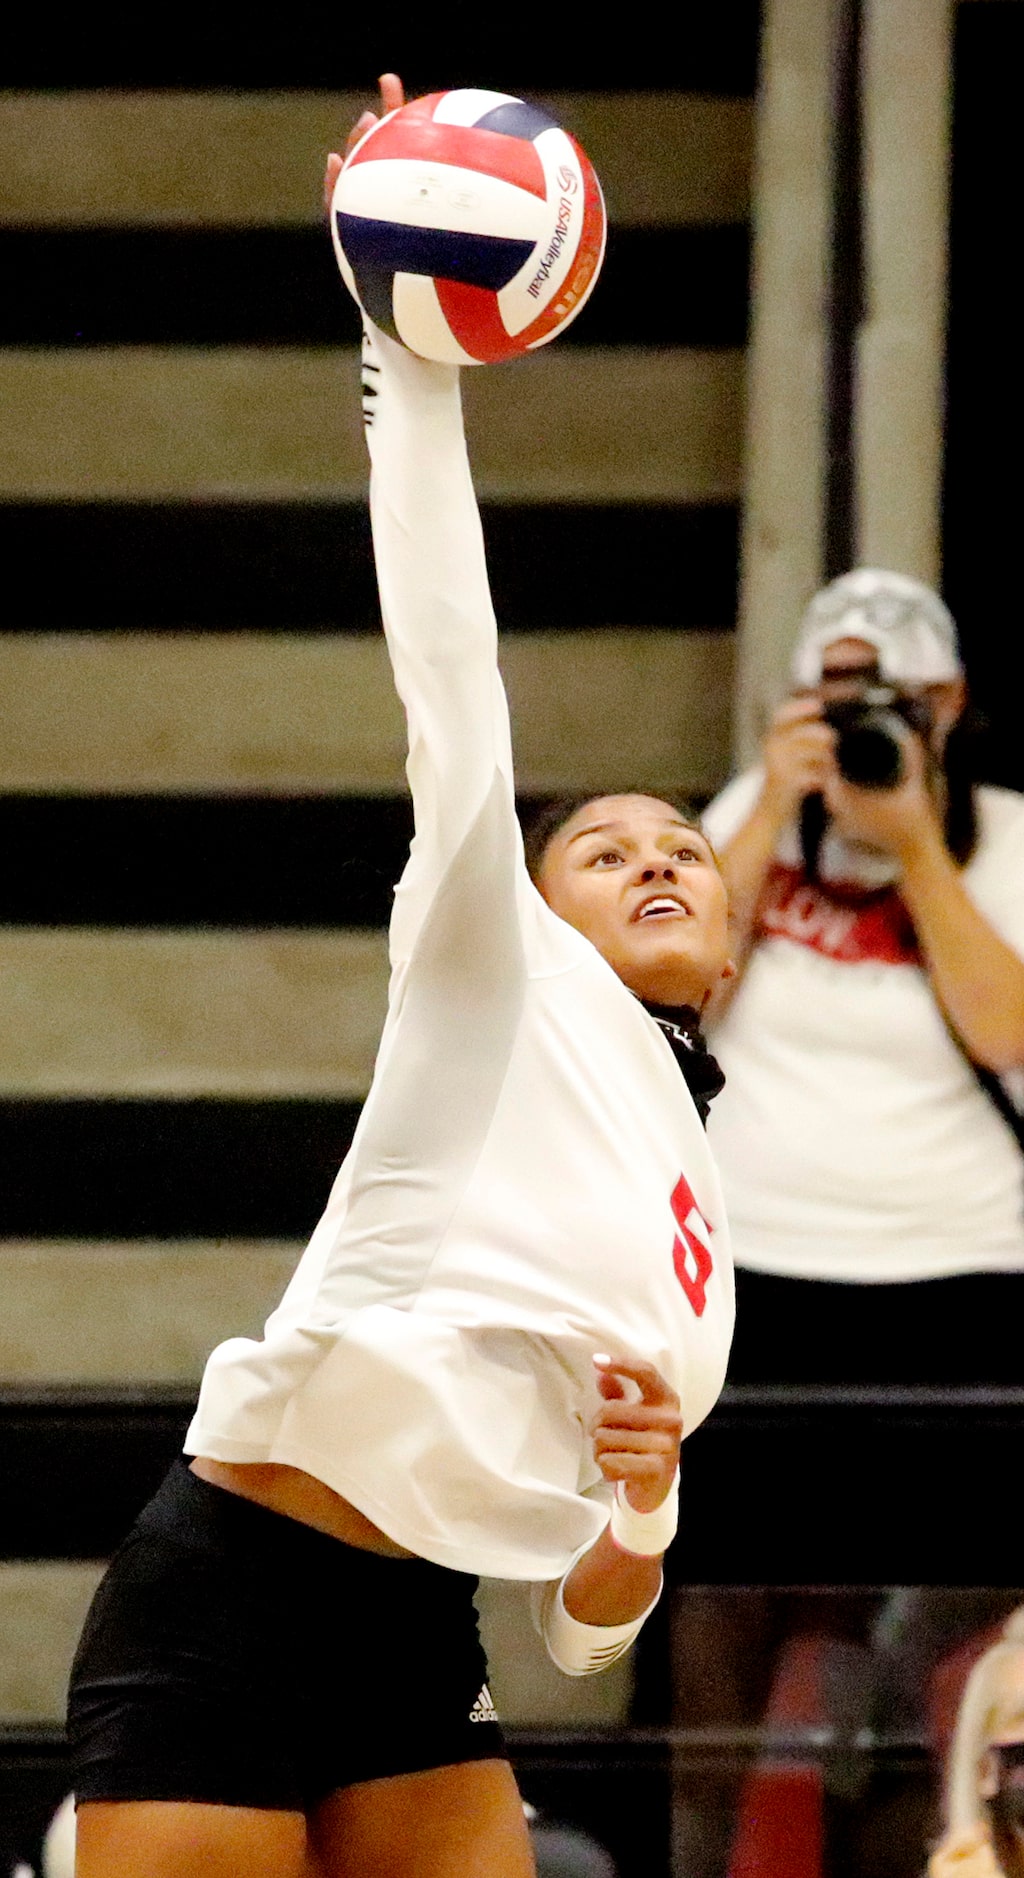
896 820
799 759
977 978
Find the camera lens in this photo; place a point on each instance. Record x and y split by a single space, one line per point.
869 743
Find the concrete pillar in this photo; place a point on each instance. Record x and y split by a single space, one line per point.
785 465
905 88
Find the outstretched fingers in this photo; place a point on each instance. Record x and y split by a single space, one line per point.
392 92
335 164
392 98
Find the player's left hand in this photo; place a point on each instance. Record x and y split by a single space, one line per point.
392 98
637 1440
895 820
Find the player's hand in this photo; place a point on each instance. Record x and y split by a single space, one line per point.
637 1440
392 98
799 755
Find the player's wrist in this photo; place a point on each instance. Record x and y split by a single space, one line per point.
644 1535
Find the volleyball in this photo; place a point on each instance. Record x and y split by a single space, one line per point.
469 226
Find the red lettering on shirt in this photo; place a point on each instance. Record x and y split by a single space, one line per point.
691 1253
877 927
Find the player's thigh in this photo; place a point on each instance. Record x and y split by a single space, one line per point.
464 1821
180 1839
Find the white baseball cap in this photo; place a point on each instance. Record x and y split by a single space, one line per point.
910 627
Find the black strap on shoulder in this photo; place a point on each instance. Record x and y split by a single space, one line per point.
703 1075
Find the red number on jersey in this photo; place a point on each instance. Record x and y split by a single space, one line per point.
691 1253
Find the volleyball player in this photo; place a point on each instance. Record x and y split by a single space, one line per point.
518 1296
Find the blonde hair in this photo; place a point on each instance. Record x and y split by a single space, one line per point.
978 1722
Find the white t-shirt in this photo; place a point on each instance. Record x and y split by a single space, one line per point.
529 1182
853 1139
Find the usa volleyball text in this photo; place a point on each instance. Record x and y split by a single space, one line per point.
557 244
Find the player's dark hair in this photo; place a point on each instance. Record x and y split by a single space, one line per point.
542 824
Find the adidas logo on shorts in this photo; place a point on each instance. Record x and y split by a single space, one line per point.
483 1708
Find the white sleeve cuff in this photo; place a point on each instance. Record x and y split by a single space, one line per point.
645 1535
583 1649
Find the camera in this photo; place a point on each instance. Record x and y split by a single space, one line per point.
871 732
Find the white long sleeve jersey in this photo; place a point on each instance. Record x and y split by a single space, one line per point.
529 1182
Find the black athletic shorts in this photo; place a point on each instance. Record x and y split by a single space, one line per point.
234 1656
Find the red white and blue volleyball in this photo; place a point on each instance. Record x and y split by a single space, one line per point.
469 226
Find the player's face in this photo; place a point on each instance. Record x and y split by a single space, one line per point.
644 887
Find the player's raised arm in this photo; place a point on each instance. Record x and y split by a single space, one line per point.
435 601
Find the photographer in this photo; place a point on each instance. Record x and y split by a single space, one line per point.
875 1189
866 1135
